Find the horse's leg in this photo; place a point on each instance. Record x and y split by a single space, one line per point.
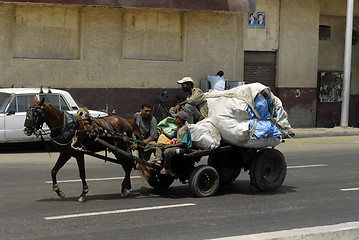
81 164
63 158
126 184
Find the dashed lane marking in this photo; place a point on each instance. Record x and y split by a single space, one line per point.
118 211
349 189
309 166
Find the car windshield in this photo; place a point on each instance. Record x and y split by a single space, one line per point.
4 100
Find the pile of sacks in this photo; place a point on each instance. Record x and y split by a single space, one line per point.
248 116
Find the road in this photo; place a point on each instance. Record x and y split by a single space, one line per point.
321 188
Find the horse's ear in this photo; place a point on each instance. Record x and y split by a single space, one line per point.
36 99
42 101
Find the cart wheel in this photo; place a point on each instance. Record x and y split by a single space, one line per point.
268 170
159 181
203 181
227 172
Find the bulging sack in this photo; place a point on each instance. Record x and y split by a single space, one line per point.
248 115
205 135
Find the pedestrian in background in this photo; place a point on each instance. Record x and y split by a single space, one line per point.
217 82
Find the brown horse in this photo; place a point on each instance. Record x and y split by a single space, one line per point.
82 140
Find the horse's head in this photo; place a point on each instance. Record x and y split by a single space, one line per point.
35 117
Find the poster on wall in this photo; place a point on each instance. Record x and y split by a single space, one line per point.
257 20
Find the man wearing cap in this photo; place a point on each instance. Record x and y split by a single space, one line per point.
182 144
195 105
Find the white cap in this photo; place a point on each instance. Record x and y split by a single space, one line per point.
185 80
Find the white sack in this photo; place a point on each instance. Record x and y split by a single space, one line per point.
228 111
205 135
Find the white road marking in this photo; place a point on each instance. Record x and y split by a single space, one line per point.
309 166
348 230
349 189
137 177
118 211
94 179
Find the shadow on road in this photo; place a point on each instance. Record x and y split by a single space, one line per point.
26 147
180 192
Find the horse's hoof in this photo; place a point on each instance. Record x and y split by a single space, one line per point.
62 195
82 199
125 193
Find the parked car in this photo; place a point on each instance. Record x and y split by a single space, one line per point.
14 103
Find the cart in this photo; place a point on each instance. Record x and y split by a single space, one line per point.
267 169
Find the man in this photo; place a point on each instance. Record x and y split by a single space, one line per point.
195 105
183 143
217 82
148 127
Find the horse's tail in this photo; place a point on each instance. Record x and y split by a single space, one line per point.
136 134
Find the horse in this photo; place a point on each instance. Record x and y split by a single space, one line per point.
83 140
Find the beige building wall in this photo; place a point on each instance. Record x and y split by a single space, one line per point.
69 46
263 39
298 54
331 52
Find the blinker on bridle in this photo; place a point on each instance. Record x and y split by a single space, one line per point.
36 111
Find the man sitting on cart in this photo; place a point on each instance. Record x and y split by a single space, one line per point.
148 127
182 143
195 105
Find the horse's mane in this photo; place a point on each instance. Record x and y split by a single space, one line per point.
57 110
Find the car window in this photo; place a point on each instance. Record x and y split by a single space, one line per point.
4 100
12 106
64 105
56 100
24 102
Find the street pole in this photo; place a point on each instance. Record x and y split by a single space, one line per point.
347 64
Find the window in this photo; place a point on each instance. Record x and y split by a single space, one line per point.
56 100
324 32
21 103
4 100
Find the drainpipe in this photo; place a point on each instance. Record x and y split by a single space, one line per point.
347 64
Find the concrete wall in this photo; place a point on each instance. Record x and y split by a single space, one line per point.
263 39
102 51
331 51
128 50
298 59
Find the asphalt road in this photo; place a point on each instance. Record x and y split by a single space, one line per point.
321 188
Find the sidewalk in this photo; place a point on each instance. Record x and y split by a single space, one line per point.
325 132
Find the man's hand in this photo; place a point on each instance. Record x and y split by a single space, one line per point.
161 130
134 146
177 107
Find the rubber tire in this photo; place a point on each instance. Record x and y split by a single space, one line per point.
226 175
159 181
203 181
268 170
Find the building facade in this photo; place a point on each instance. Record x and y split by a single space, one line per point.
114 56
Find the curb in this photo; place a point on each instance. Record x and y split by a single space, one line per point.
343 231
325 132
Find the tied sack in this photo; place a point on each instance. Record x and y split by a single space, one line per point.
205 134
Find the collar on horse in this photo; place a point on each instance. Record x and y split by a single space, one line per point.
68 130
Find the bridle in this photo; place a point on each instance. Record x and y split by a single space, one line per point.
35 118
